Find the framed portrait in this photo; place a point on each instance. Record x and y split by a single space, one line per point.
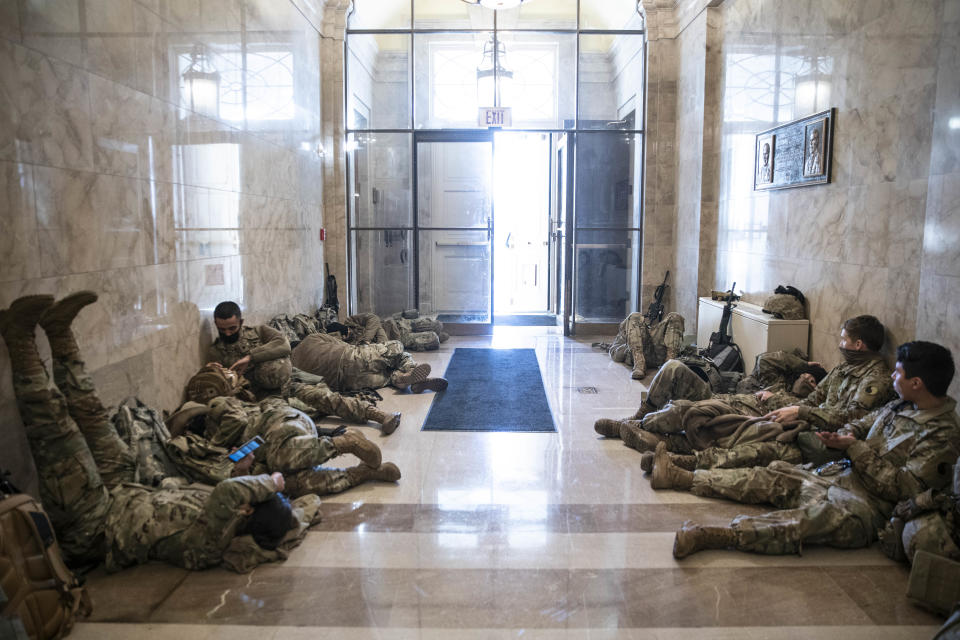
814 144
763 165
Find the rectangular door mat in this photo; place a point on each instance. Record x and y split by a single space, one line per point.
492 390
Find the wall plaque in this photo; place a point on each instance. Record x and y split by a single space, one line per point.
795 154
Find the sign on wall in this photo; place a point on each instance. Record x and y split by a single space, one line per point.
795 154
495 117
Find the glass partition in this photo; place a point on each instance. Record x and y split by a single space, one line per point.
379 170
378 81
382 264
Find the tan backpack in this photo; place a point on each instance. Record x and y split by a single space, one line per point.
37 586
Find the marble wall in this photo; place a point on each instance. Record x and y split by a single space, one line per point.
881 238
111 182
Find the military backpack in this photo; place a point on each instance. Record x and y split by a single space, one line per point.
709 372
39 596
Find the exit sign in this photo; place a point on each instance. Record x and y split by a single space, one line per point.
495 117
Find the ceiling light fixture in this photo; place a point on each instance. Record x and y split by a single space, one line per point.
201 84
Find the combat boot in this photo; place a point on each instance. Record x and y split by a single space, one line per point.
387 472
636 438
388 421
608 427
684 462
18 326
645 408
418 374
356 443
665 474
57 319
639 364
433 384
692 538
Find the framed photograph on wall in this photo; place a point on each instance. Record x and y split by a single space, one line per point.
813 164
794 154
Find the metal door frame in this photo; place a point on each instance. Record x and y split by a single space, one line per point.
453 135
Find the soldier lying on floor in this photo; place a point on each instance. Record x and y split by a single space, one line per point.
894 453
848 392
347 367
262 355
86 471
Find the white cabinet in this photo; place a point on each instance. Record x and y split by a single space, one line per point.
753 330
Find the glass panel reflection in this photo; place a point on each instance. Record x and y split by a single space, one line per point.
446 88
607 179
554 14
611 80
540 87
453 184
450 14
610 14
378 81
379 14
383 264
455 275
604 287
380 180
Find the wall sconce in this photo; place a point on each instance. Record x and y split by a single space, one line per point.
201 84
812 90
493 78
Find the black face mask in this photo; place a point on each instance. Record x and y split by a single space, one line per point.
229 339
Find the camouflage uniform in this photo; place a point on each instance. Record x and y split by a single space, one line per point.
900 452
423 333
849 392
269 353
347 367
658 343
365 328
774 370
291 444
86 473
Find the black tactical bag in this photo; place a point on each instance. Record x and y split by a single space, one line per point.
719 381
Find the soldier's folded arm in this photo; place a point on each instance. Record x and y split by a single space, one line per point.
229 496
872 392
923 468
275 345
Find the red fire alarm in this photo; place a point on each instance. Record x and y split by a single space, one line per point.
323 234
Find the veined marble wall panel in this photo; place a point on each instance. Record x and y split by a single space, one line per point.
689 153
856 245
110 184
939 300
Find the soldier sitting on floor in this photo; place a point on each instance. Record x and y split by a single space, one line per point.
644 346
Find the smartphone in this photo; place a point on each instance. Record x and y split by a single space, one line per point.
248 447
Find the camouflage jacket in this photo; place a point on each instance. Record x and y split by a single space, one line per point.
749 404
902 451
774 370
849 392
190 527
365 328
261 343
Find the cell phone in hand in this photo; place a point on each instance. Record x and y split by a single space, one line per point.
248 447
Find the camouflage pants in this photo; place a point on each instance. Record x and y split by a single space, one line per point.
77 452
659 343
813 509
419 334
312 391
929 532
270 376
676 381
320 481
753 454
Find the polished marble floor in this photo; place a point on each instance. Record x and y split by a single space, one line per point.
516 535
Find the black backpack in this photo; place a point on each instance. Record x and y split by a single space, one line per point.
720 381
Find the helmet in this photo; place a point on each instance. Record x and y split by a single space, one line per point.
211 381
784 306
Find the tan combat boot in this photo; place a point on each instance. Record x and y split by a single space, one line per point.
692 538
608 427
18 326
665 474
356 443
645 408
387 472
684 462
433 384
418 374
388 421
57 319
639 364
637 438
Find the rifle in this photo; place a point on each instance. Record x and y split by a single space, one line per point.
331 291
655 310
722 349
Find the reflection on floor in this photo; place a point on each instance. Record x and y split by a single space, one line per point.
506 535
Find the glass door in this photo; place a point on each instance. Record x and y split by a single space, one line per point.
454 209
